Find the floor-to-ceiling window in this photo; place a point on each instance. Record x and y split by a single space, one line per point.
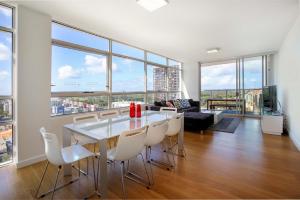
233 86
218 86
92 73
79 71
253 83
6 87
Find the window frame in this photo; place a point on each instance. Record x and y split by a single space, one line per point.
11 97
110 54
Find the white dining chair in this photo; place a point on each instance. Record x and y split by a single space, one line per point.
173 130
82 140
155 135
58 156
130 145
106 114
168 109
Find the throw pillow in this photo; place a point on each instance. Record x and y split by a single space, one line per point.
185 103
169 104
177 104
163 103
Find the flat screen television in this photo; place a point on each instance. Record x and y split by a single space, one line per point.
270 98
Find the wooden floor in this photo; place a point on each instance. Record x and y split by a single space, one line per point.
246 164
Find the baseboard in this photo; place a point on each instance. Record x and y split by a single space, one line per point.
31 161
295 140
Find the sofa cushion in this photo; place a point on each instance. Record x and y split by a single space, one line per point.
191 109
194 103
157 103
177 103
185 103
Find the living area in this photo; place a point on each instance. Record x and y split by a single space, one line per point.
149 99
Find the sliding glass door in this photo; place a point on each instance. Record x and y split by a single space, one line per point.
218 87
234 86
252 84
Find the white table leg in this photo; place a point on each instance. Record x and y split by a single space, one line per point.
181 139
67 142
103 188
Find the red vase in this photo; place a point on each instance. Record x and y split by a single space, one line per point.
132 110
138 110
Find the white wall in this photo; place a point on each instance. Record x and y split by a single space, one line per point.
191 85
33 82
33 91
287 77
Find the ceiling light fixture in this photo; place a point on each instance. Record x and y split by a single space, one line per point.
215 50
152 5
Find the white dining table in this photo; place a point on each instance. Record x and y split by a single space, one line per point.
105 129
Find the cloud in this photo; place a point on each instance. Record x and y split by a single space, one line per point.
6 12
3 74
114 67
253 67
95 65
4 52
218 77
68 71
8 39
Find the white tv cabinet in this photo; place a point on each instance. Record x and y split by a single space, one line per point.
272 124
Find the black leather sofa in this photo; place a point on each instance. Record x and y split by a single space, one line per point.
194 120
195 106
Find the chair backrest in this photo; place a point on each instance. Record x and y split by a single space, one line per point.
109 113
52 147
130 144
85 118
174 125
156 133
124 110
168 109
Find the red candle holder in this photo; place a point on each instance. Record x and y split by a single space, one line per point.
138 111
132 110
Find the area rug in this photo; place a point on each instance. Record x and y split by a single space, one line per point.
227 124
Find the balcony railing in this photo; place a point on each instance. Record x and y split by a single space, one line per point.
228 100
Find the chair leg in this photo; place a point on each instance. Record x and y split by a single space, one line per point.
169 161
58 171
79 170
171 149
97 177
149 161
87 166
94 173
94 147
146 169
122 179
40 184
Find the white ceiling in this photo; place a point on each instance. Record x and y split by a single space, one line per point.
184 29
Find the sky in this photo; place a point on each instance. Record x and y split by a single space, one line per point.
5 53
223 76
74 70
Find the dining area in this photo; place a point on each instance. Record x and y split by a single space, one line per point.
95 144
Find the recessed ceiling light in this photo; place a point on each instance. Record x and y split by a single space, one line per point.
152 5
215 50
